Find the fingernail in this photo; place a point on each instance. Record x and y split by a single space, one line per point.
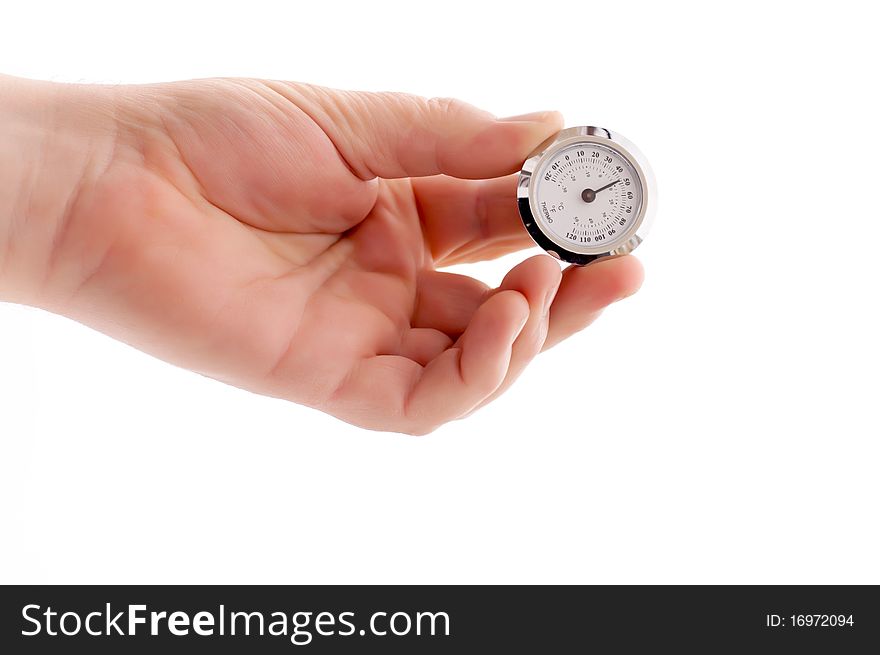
533 117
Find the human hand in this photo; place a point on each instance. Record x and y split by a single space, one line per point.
285 238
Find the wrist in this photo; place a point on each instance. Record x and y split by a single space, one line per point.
57 138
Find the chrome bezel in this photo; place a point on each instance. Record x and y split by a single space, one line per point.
564 139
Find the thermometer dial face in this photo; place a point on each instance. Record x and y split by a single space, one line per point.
586 193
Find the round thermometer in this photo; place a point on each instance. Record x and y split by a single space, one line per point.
586 193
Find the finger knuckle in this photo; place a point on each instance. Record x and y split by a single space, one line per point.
445 108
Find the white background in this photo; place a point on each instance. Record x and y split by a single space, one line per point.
731 435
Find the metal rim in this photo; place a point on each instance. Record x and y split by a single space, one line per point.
599 136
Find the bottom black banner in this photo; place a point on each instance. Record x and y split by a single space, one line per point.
443 619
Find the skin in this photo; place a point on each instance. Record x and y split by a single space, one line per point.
286 238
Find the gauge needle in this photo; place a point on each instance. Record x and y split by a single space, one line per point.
589 195
610 184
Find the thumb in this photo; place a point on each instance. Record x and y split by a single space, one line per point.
401 135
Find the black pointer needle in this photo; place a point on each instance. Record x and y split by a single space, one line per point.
610 184
589 195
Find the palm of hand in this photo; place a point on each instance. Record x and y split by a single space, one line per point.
247 236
